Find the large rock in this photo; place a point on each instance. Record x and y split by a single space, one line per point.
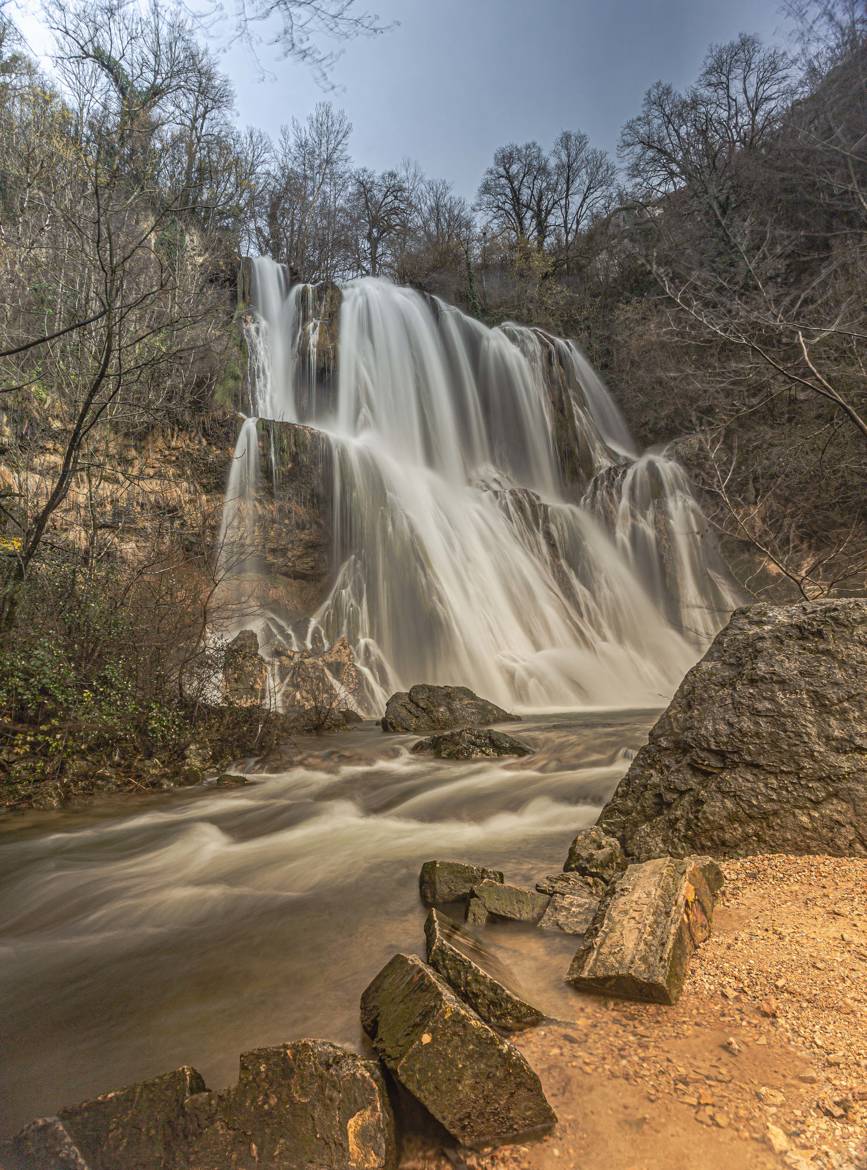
764 747
427 708
647 929
474 1082
472 743
142 1127
462 963
301 1105
570 913
451 881
296 1106
595 855
498 900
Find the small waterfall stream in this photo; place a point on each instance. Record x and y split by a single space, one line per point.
494 525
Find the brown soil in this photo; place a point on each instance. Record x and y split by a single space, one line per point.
761 1065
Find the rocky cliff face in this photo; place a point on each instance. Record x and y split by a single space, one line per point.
763 748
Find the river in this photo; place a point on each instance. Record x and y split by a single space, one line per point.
139 934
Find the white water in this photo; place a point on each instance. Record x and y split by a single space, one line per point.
467 549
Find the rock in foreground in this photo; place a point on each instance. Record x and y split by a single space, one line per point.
426 708
472 743
488 996
645 932
476 1084
594 854
763 747
452 881
309 1103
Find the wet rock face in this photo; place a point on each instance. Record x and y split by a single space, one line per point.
763 748
497 900
309 1103
570 913
646 930
463 964
452 881
476 1084
427 708
141 1127
470 743
595 855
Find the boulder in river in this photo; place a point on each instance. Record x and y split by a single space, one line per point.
763 747
646 930
462 963
425 708
498 900
595 854
476 1084
451 881
141 1127
472 743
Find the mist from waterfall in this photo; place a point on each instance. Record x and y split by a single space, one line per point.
494 525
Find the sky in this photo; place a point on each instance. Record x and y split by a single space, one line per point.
451 80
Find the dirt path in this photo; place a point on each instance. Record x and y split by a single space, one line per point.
762 1064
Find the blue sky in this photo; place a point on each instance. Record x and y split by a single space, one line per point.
454 79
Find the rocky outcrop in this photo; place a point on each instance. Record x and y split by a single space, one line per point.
452 881
476 1084
645 932
472 743
309 1103
245 673
595 855
464 966
497 900
763 749
425 708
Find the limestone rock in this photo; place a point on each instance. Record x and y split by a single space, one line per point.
595 854
451 881
141 1127
462 963
497 900
646 930
245 673
763 748
427 708
476 1084
578 884
304 1104
570 913
470 743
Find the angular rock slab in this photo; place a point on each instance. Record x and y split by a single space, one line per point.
570 913
141 1127
472 743
491 999
577 884
498 900
645 932
451 881
425 708
301 1105
595 855
476 1084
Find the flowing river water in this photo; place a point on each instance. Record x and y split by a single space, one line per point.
135 937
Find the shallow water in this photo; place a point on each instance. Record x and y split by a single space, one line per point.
136 936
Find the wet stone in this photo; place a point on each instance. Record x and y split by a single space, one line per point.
472 743
645 931
425 708
476 1084
462 963
571 883
498 900
596 855
452 881
570 913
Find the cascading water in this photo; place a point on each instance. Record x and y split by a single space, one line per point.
493 525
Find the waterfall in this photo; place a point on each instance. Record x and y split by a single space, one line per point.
493 524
